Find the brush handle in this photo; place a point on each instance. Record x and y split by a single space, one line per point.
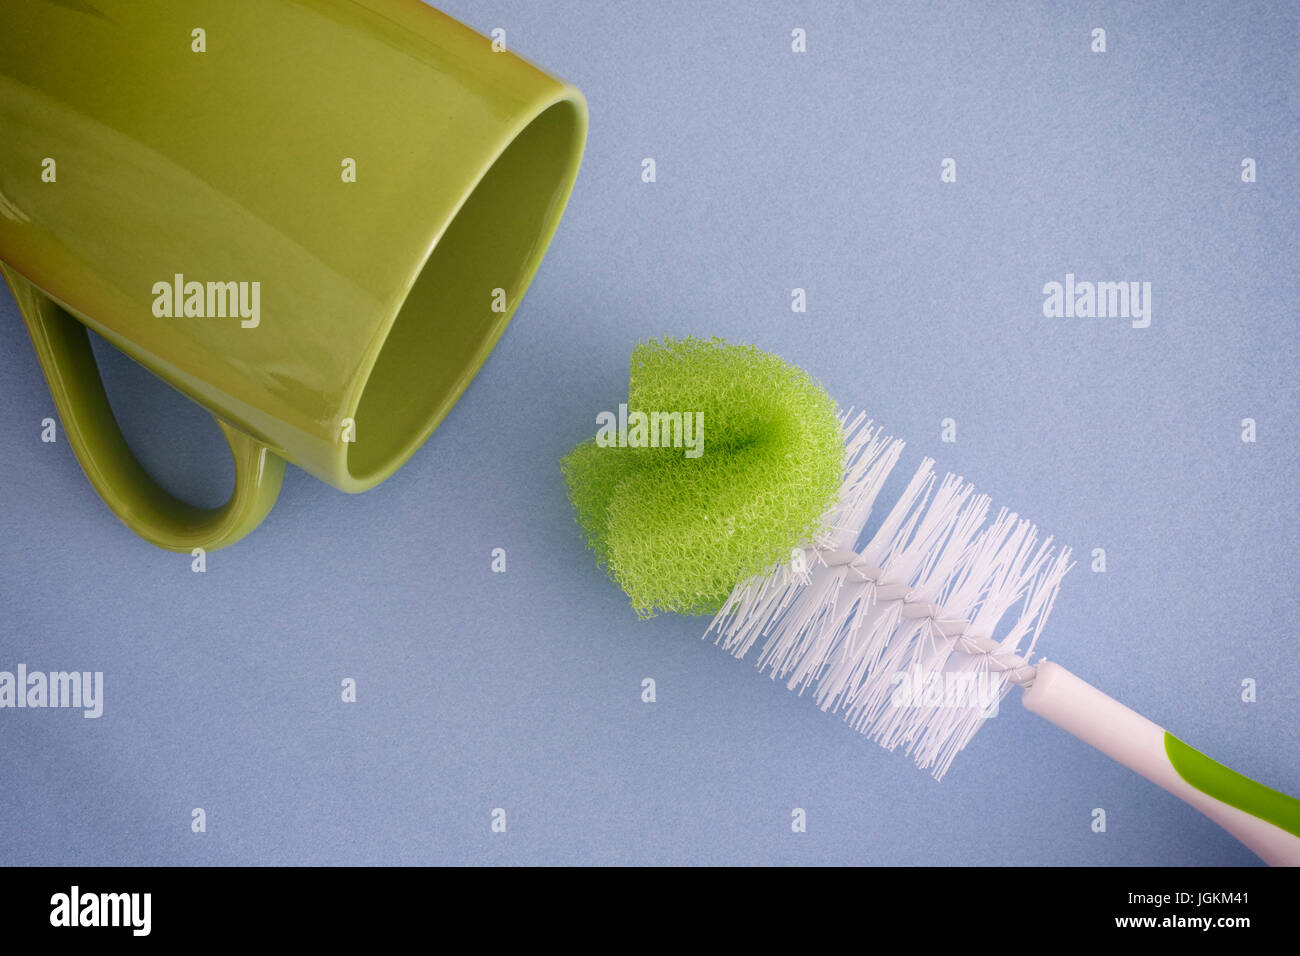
1266 821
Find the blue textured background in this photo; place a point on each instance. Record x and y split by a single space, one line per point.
775 170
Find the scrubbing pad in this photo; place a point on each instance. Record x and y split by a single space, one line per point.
677 533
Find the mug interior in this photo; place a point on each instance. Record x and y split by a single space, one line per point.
448 325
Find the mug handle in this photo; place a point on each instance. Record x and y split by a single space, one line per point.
63 347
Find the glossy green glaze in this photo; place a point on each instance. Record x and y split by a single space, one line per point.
379 299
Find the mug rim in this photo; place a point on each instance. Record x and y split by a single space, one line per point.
345 477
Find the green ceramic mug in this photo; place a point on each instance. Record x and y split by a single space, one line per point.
313 217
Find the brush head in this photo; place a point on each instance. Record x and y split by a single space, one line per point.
677 532
916 631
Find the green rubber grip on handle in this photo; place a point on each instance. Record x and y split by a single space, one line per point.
63 347
1265 820
1227 786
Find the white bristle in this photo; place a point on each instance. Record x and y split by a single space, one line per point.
899 635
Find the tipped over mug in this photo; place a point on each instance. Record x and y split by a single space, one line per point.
313 217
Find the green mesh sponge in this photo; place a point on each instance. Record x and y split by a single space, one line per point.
677 533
